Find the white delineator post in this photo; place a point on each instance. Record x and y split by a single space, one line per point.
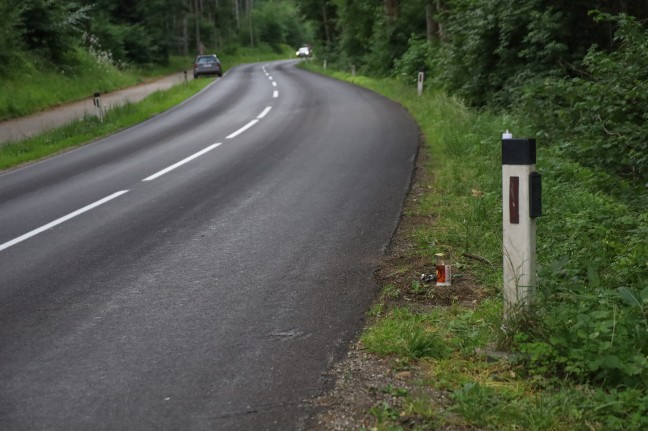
419 84
97 104
521 205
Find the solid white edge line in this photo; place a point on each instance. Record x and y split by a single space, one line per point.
265 112
275 94
60 220
242 129
181 162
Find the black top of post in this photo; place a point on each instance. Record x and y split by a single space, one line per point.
518 151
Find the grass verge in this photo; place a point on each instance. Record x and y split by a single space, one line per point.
578 362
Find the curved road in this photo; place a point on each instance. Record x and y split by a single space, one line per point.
200 271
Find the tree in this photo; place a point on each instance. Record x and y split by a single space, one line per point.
51 28
10 34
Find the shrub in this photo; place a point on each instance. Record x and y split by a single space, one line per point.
420 56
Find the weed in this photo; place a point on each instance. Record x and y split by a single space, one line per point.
404 333
383 412
390 291
418 288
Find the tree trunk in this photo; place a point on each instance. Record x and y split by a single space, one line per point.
237 13
199 45
327 31
434 26
185 37
391 9
249 12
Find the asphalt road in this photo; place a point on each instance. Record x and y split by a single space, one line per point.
203 270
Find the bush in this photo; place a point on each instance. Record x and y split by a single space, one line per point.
420 56
592 303
598 118
610 105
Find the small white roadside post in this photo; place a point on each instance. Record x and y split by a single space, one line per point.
325 64
97 104
353 70
421 78
521 195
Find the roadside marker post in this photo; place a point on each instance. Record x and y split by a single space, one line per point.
419 87
522 204
97 104
353 70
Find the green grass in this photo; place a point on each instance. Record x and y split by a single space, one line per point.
406 334
579 360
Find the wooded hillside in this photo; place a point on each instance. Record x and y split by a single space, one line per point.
139 31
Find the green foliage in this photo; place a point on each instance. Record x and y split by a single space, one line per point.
140 33
496 44
591 323
419 57
384 413
279 23
10 34
51 29
601 116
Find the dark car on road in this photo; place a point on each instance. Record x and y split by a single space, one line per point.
207 65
